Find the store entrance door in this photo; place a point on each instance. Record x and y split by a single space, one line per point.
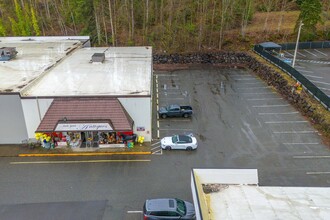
83 140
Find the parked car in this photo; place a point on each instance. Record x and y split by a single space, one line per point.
175 111
179 142
168 208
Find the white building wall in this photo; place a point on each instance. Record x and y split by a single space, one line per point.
140 111
34 110
12 126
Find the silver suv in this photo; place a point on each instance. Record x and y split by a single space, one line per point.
168 208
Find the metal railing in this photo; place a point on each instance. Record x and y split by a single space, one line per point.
308 85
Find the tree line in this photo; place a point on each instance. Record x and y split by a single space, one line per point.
173 25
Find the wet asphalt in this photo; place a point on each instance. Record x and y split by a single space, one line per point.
238 120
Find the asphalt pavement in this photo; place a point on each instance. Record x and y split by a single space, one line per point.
15 150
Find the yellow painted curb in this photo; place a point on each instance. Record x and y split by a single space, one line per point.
85 154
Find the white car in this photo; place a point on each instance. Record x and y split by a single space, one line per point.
180 142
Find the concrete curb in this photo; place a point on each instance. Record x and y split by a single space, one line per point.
84 154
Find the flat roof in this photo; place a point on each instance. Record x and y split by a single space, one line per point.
235 194
259 202
34 56
126 71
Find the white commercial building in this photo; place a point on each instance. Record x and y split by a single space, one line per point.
235 194
61 84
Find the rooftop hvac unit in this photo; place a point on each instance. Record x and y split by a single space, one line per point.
98 57
7 53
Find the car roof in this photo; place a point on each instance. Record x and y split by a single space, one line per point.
185 138
163 204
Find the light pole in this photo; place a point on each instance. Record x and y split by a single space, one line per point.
295 51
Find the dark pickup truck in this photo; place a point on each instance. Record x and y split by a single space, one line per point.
175 111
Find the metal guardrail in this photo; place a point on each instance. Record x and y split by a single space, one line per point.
308 85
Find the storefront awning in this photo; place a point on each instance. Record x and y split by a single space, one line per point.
86 114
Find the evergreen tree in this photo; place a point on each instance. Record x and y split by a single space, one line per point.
310 15
2 29
35 22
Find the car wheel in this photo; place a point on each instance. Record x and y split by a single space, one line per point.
189 148
185 115
168 148
163 116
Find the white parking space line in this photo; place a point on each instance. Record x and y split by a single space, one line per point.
269 106
300 67
285 122
263 87
294 132
305 71
277 113
170 82
259 93
303 143
166 75
318 77
171 88
301 54
130 212
175 129
317 173
249 83
165 92
320 82
321 52
312 157
326 89
256 99
244 79
310 53
288 53
176 120
171 98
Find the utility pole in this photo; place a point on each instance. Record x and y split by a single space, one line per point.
297 43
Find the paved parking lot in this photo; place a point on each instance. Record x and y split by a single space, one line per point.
241 123
314 64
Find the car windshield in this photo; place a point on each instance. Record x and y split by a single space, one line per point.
181 207
175 139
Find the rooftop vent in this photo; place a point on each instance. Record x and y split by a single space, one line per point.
98 57
7 53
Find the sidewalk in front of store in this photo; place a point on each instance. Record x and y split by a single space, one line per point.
26 151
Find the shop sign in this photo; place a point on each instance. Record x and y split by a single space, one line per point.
84 127
140 128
